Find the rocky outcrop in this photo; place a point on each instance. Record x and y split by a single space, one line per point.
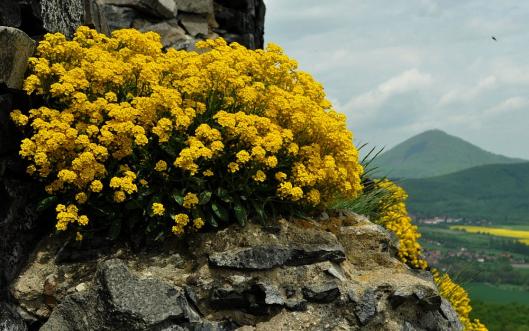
180 22
290 275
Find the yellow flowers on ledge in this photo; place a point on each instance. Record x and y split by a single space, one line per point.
179 140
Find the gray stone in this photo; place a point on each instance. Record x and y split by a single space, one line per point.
10 13
170 32
450 314
268 257
195 24
65 16
425 297
195 6
120 300
119 17
365 306
15 49
325 293
10 320
157 8
62 15
142 302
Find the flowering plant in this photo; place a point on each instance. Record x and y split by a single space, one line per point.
177 139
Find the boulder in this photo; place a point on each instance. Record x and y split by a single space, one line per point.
195 6
66 16
172 34
195 24
15 49
120 300
154 8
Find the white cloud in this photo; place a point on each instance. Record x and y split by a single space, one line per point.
467 94
507 106
407 81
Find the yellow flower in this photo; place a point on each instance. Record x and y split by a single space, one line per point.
181 220
259 176
243 157
198 223
160 166
96 186
83 220
280 176
81 197
119 196
208 173
158 209
233 167
190 200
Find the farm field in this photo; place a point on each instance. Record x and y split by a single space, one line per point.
521 234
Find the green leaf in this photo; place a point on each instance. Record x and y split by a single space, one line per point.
211 221
204 197
224 195
240 214
179 198
46 203
259 210
220 212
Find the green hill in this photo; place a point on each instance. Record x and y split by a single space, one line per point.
434 153
499 193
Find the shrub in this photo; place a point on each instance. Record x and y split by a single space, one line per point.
458 298
175 140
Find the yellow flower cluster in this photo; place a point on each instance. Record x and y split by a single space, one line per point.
121 112
458 298
394 217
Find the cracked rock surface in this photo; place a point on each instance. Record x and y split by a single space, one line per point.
292 275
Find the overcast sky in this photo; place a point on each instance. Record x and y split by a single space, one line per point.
400 67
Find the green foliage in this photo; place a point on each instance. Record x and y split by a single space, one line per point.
502 317
496 193
434 153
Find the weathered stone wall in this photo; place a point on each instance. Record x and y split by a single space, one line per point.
179 22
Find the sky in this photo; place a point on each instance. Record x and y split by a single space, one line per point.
397 68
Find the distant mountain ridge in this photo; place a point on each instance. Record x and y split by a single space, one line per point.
497 193
434 153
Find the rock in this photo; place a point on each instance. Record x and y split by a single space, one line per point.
195 6
119 17
268 257
325 293
66 16
238 278
120 300
10 14
15 49
156 8
10 320
365 306
172 34
195 24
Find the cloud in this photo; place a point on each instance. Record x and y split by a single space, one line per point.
402 67
407 81
468 94
507 106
